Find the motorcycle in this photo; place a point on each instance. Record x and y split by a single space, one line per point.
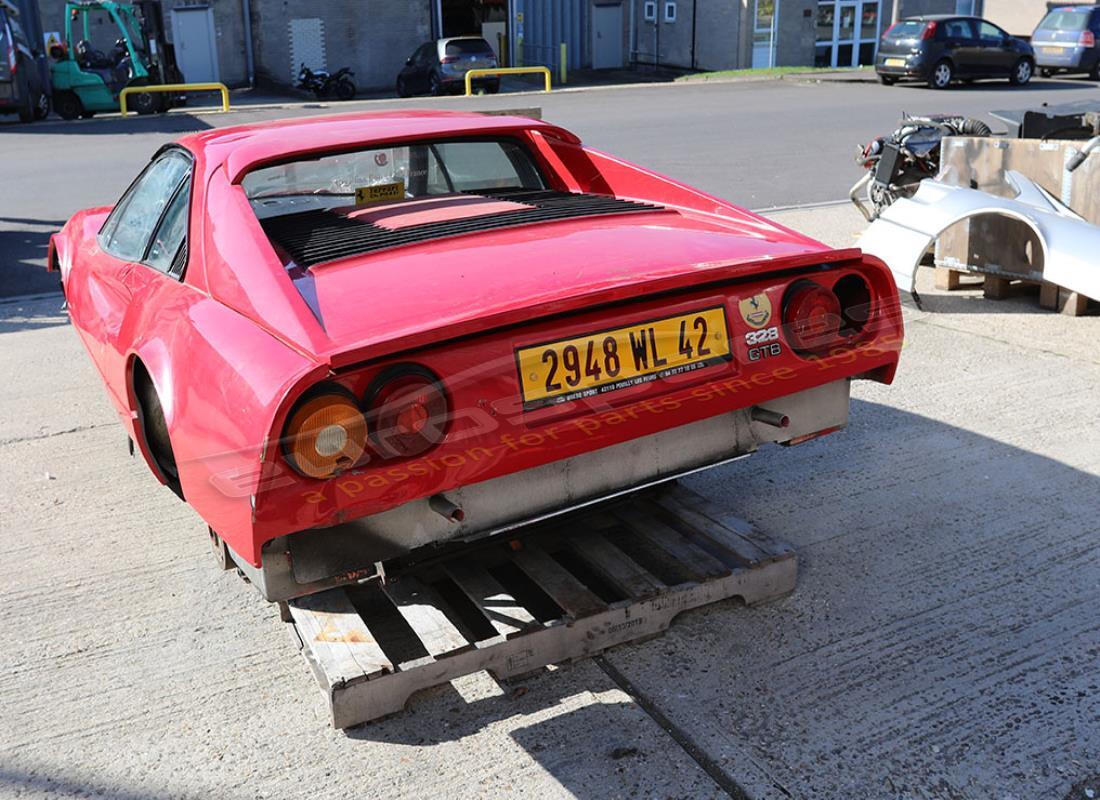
897 163
323 85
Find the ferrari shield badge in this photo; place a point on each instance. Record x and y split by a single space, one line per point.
756 310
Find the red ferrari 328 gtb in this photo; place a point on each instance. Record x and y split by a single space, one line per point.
340 339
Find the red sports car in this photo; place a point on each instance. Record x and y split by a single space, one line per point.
340 339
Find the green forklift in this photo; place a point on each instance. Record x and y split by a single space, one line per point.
108 47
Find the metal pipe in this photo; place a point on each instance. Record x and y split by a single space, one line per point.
249 60
766 417
445 508
1082 154
694 15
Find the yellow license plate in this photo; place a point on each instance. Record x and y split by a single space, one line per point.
1052 51
895 62
570 369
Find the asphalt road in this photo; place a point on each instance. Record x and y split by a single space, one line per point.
760 144
942 643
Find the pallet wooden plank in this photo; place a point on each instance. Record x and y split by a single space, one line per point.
688 505
742 549
614 565
338 638
503 611
567 591
419 606
672 542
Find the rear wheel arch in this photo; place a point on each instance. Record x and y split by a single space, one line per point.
151 426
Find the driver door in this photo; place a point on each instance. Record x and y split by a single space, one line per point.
142 247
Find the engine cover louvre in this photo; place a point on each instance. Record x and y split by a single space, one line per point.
316 237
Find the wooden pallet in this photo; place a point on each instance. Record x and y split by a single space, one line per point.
996 287
615 574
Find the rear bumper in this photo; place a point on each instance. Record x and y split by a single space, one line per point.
1066 58
318 559
911 68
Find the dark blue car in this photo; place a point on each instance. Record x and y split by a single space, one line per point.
939 50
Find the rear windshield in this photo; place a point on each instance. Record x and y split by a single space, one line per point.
906 29
391 175
468 47
1066 20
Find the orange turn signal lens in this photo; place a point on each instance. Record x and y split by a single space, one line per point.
325 435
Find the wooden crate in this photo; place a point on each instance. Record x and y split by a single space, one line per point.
556 593
1002 250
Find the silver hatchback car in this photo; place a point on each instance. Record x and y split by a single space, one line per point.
1067 41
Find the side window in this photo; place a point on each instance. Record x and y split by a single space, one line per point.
126 234
989 32
168 240
959 29
481 165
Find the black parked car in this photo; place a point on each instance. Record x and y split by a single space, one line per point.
1066 41
440 67
22 89
942 49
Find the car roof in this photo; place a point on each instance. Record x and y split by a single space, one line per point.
450 39
244 147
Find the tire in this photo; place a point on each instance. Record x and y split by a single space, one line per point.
402 88
887 80
345 90
1046 73
67 105
492 88
436 85
42 107
155 429
1022 72
1094 73
941 76
144 103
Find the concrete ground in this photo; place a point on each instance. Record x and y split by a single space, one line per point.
943 641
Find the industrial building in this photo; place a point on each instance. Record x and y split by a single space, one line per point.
242 42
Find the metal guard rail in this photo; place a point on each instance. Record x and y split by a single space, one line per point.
185 87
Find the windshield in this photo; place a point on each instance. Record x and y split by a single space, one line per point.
468 47
906 29
395 174
1065 20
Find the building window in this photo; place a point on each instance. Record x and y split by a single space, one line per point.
650 11
670 12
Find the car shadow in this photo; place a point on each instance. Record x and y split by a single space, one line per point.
997 84
32 312
23 247
947 577
175 122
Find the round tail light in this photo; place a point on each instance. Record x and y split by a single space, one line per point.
325 434
811 317
408 412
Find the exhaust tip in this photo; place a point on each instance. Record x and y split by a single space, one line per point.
767 417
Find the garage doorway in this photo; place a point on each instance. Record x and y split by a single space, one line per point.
195 43
607 37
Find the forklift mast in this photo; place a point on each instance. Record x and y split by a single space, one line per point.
161 51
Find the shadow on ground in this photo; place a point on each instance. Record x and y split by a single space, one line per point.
942 640
23 247
177 122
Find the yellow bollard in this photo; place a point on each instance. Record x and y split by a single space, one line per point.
563 66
